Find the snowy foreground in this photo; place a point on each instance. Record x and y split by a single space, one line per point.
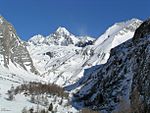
20 101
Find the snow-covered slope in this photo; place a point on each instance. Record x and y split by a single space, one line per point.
16 76
64 65
114 36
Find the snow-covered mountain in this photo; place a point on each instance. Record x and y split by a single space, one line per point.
64 65
60 58
123 83
61 37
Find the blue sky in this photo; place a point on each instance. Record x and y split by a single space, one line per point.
80 17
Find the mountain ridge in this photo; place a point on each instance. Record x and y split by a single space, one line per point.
60 37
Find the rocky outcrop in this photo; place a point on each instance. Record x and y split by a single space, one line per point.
12 49
143 30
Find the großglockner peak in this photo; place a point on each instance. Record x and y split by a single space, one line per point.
12 49
62 31
61 37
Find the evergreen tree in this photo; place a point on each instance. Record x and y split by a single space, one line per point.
50 107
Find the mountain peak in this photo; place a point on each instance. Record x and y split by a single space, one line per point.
62 30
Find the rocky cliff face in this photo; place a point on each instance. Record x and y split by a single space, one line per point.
12 49
141 78
142 31
125 76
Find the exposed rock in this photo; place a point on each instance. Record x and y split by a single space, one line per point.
141 77
143 30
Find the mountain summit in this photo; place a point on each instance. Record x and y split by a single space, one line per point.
62 31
